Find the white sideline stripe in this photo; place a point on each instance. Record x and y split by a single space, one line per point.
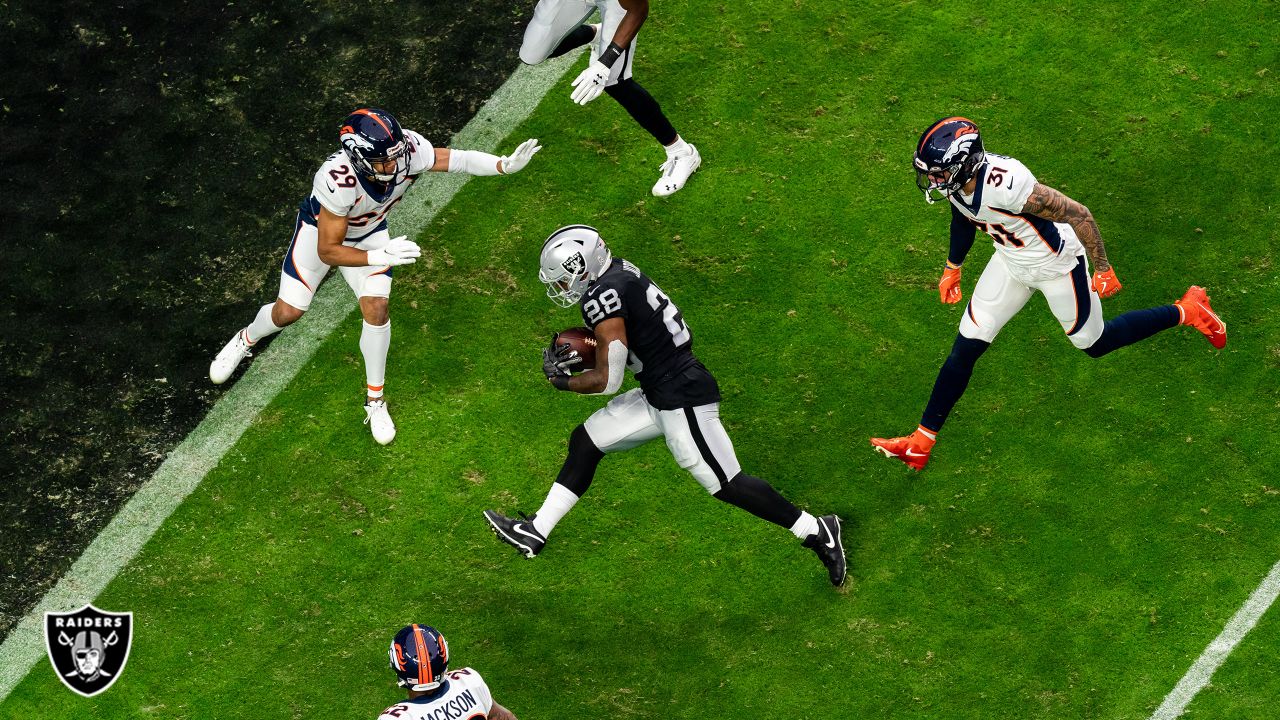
232 414
1213 656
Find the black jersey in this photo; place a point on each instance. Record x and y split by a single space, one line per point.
659 340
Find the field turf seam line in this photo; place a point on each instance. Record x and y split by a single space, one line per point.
1238 626
202 450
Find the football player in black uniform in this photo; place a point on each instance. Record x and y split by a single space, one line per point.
637 326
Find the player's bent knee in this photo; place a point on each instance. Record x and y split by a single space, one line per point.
374 310
1094 351
967 349
581 444
282 313
534 55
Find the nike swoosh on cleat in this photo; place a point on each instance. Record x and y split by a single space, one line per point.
522 531
514 541
831 537
1213 315
911 453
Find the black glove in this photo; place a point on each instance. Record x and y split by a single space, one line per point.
557 359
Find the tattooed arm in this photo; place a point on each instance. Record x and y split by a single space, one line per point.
1053 205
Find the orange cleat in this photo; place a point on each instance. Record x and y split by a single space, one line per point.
1196 312
913 449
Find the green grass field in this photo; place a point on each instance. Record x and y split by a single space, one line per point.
1084 529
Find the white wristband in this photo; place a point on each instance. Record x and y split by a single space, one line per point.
472 162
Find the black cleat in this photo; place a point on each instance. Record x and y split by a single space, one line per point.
826 542
520 534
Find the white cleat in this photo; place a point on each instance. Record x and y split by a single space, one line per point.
379 421
229 358
676 171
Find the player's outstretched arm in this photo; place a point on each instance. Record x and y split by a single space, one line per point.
500 713
1052 205
476 162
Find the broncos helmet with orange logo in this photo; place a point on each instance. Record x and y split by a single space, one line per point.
370 135
419 657
948 155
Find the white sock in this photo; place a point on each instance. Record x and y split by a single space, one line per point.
261 326
805 526
679 147
558 504
375 341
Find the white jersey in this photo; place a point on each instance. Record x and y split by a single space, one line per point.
465 697
1034 248
340 190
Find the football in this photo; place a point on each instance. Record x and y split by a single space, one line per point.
582 340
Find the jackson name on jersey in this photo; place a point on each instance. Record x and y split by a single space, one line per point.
465 696
340 190
1032 245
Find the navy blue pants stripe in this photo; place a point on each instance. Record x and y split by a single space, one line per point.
1084 303
288 266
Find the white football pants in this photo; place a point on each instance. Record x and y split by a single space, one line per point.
302 270
999 296
694 435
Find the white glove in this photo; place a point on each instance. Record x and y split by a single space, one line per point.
590 83
516 161
398 251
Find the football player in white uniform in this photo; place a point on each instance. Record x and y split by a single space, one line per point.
343 222
558 27
420 659
637 326
1043 241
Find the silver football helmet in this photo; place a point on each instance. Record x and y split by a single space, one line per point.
572 258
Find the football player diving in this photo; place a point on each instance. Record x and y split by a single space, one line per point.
558 27
343 222
420 659
1043 241
637 326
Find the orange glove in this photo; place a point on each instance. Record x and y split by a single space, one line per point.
1105 283
949 285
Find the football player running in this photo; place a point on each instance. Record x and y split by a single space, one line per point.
420 660
343 222
558 27
637 326
1043 241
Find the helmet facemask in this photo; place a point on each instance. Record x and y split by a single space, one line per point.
399 156
566 287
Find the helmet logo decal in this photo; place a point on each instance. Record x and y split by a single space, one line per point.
575 264
88 648
962 144
354 140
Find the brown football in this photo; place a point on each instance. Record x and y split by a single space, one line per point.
582 340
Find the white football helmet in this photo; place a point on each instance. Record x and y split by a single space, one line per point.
572 258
